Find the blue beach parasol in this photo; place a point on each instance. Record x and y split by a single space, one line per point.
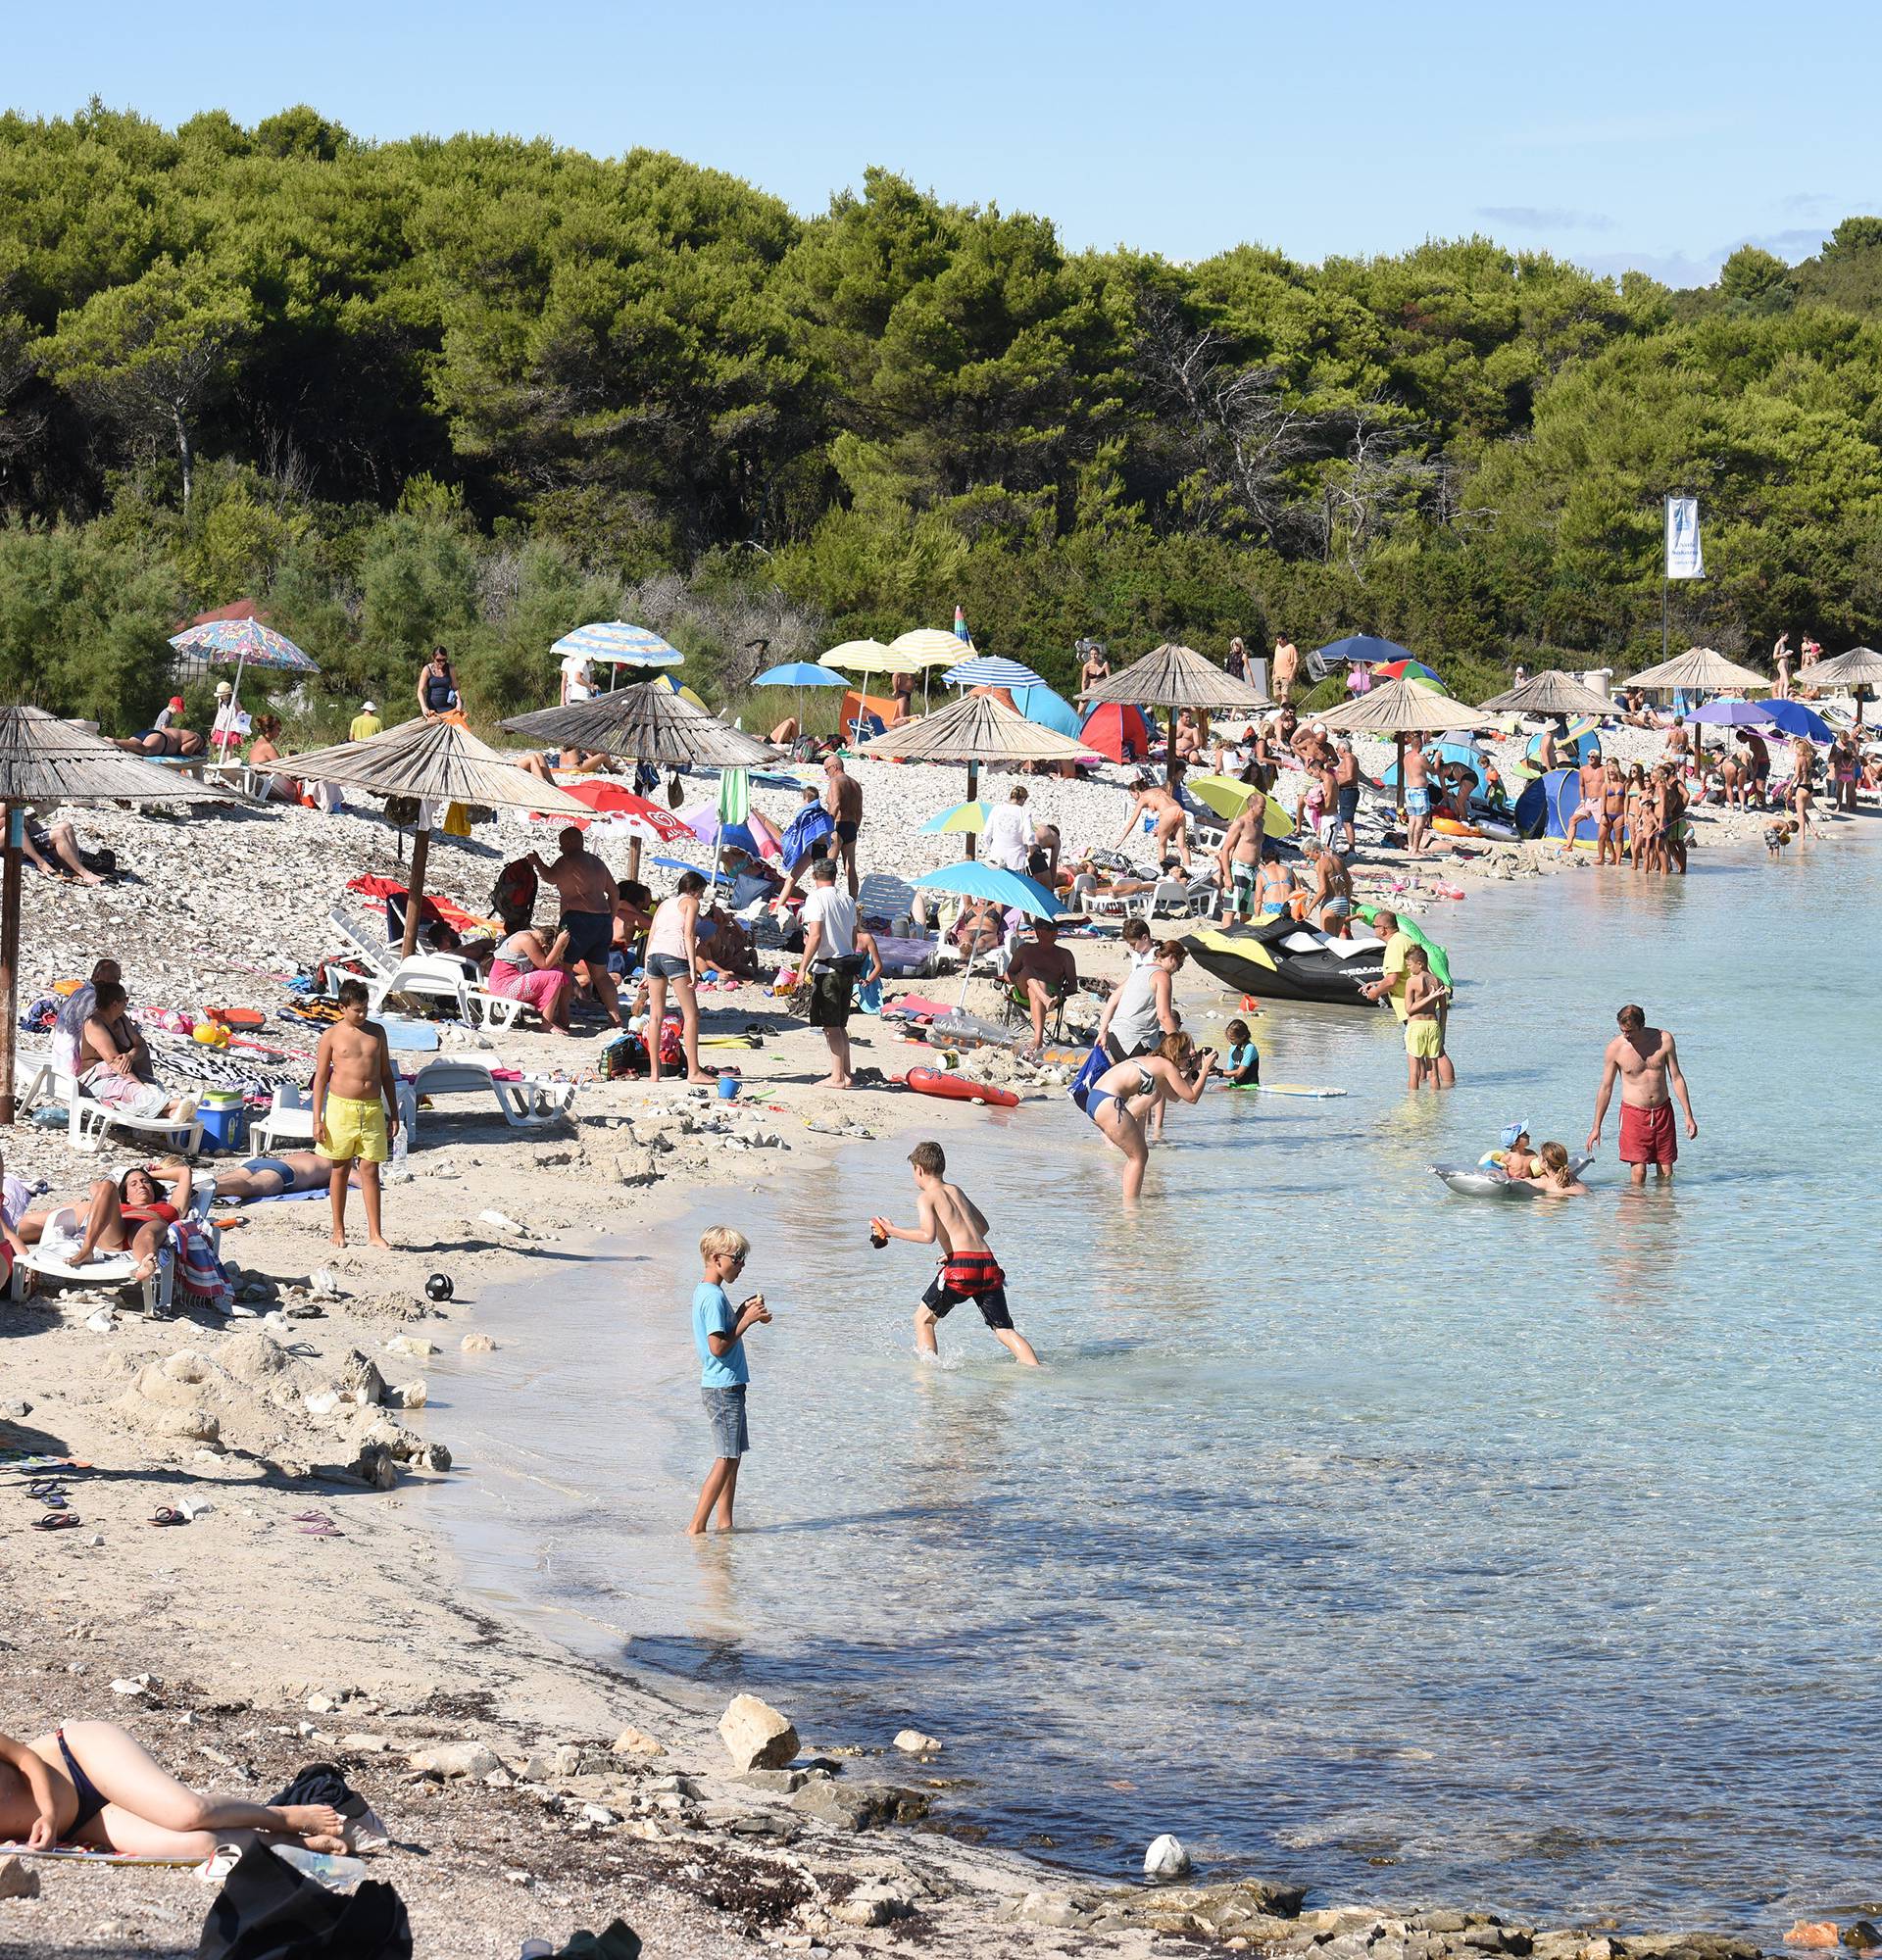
800 673
1795 719
1734 713
973 879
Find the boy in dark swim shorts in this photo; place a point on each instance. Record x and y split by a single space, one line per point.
968 1269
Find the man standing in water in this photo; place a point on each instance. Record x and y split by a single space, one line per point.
1647 1063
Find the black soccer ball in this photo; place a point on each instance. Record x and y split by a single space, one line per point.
438 1286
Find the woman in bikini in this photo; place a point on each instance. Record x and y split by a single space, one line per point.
1631 815
1120 1100
1613 809
93 1785
133 1215
114 1062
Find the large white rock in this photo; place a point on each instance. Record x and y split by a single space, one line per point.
1165 1858
756 1736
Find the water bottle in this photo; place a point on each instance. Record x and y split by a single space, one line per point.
325 1868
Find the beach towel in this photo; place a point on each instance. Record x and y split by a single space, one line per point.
200 1277
1089 1070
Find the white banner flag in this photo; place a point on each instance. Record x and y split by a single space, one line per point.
1683 559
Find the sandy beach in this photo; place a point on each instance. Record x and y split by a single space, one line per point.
528 1792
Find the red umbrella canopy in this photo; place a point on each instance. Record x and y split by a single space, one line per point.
607 797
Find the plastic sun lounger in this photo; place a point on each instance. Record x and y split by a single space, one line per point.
438 976
89 1121
65 1231
535 1103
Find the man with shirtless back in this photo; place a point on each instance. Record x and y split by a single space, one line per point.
1160 802
585 889
950 1218
1240 858
1417 799
843 798
1647 1063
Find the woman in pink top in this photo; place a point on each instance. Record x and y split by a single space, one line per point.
527 967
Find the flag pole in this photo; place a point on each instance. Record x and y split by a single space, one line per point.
1665 570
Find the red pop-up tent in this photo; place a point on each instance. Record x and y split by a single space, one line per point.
1118 731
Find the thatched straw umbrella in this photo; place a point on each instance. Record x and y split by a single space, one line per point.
44 759
648 723
1860 666
1700 667
1550 692
975 729
1174 677
1402 708
436 761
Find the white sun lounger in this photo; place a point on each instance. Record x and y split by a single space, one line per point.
536 1103
63 1234
442 976
89 1121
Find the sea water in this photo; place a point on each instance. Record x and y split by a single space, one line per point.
1474 1552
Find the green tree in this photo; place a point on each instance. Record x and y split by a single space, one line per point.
153 355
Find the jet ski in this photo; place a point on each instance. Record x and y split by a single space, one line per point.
1282 959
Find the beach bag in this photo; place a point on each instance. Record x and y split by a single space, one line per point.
626 1056
402 812
267 1910
1089 1070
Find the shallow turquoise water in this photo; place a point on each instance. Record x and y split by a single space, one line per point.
1419 1547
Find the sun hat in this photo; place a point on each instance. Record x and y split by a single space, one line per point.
368 707
1513 1134
223 687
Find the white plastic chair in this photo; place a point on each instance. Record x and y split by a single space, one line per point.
289 1120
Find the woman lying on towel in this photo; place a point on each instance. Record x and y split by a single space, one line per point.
91 1784
272 1177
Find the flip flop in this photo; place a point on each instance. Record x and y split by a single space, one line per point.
311 1518
169 1516
56 1501
319 1531
56 1521
46 1486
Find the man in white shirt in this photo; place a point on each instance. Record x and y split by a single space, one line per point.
1009 836
829 963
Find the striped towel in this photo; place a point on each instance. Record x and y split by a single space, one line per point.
199 1272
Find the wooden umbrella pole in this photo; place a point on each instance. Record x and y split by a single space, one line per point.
414 891
16 823
973 779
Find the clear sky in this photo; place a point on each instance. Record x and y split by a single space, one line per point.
1617 135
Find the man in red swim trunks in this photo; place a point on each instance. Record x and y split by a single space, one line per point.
1647 1063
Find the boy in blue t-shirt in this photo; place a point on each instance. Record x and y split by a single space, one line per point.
718 1334
1242 1066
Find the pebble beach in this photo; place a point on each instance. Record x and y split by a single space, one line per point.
545 1792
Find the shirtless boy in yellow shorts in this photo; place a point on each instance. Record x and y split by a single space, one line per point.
355 1106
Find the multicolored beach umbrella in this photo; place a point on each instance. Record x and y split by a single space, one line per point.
243 643
961 626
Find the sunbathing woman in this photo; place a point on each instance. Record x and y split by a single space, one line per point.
133 1214
113 1060
1127 1092
271 1176
92 1784
162 742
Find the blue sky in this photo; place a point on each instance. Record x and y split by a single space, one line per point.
1613 134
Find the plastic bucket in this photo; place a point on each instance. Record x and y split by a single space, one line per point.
728 1089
